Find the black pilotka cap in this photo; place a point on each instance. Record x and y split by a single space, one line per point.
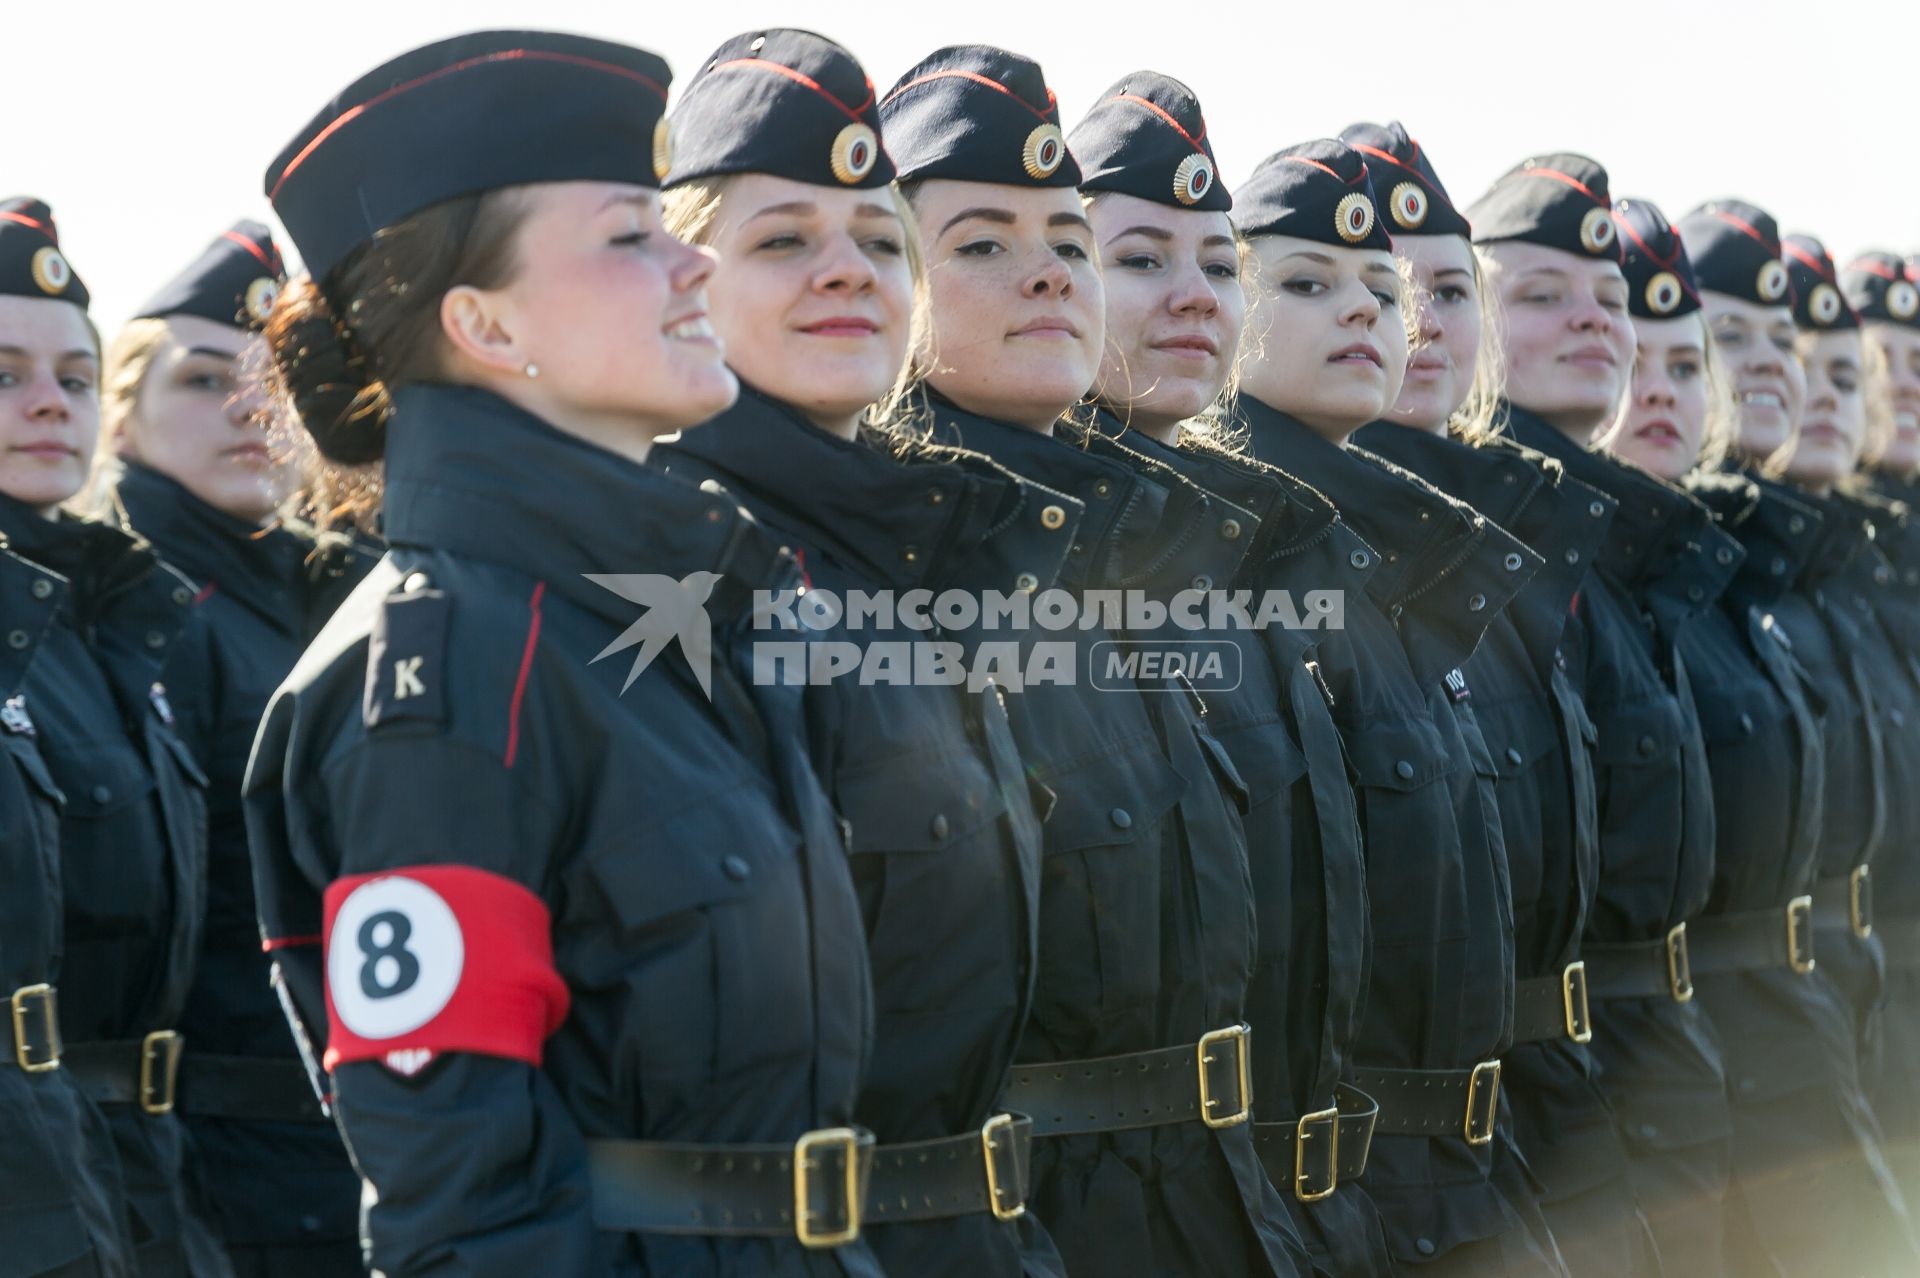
31 264
1735 249
784 102
1146 137
1882 288
234 282
1316 191
1415 201
1818 305
1660 280
974 113
1557 201
463 116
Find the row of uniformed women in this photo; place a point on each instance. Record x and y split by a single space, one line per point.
1518 872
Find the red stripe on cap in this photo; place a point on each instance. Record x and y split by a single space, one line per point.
1574 182
526 668
1749 231
504 55
1807 259
762 64
1410 171
1664 262
1139 101
977 79
1301 159
42 227
249 246
1872 267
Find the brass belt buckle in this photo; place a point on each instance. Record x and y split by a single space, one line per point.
24 1000
996 1193
1679 967
1302 1187
1800 934
1488 1073
1860 901
159 1070
805 1161
1573 999
1243 1073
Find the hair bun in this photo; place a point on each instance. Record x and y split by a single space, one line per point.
322 373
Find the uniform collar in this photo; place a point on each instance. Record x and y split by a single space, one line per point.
1842 537
470 473
1528 494
1777 530
30 595
904 525
256 566
1448 571
116 580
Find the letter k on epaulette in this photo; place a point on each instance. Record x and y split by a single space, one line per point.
407 657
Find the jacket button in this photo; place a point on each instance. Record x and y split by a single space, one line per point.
155 639
1078 549
42 588
1102 488
182 596
1746 724
1052 517
101 794
1779 566
1359 559
1203 583
1476 603
1403 770
1645 746
1424 1246
1573 557
1695 594
939 827
1121 818
1026 582
1796 525
18 639
1723 556
1597 509
1513 756
910 553
415 581
1648 1131
737 869
1513 562
935 496
1230 529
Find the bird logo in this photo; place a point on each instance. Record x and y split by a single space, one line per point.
675 609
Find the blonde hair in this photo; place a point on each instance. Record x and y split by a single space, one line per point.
125 366
1474 421
1876 379
1723 410
691 212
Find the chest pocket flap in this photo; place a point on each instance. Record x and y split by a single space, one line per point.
1736 711
1113 800
919 804
703 853
1644 734
100 781
1519 734
1402 755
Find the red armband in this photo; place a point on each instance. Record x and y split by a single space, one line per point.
438 958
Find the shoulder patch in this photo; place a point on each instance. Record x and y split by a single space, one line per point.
407 659
1457 690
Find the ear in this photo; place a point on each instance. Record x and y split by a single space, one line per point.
475 322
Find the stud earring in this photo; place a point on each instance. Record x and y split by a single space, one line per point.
533 369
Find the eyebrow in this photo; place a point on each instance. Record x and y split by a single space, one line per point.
1554 271
1453 270
639 199
79 352
212 352
1001 217
1071 219
807 208
1379 268
1151 232
1321 258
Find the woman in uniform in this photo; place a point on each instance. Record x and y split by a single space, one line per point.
1884 292
62 1209
1537 731
1176 310
1328 349
1809 1191
183 461
1135 1063
556 898
1551 252
779 166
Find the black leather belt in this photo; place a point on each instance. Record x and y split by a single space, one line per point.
1553 1007
1642 969
1754 940
1209 1081
1317 1151
30 1038
1845 901
253 1089
139 1071
983 1171
1435 1102
811 1190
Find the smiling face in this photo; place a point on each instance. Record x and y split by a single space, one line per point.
1663 424
1019 315
1567 337
813 295
608 308
49 400
1827 447
1327 343
1175 309
1900 346
1447 329
1769 385
196 417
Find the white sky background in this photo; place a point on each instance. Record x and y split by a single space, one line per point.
147 126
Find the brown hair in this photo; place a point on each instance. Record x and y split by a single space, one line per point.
338 348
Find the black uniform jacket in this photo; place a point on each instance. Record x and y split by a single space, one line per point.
945 839
1147 931
260 595
490 698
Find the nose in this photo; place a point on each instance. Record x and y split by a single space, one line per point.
1362 307
1593 318
845 269
1426 319
691 267
246 406
1192 294
1652 387
47 400
1052 278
